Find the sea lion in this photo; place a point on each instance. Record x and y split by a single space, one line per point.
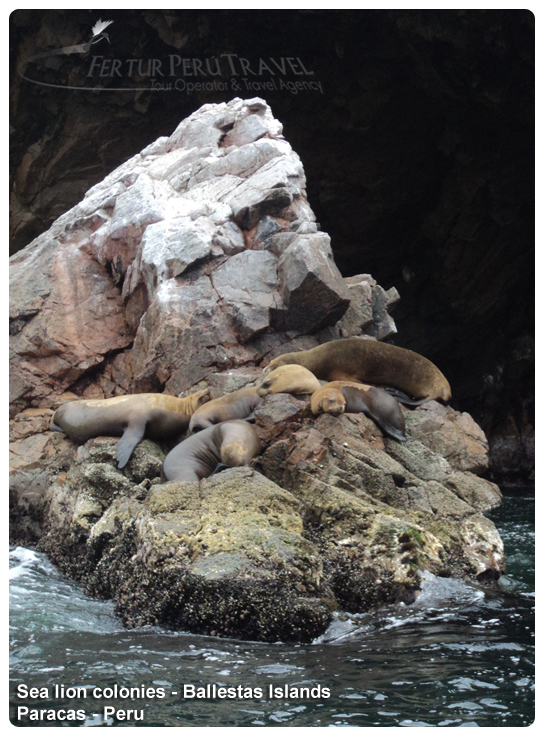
155 416
368 361
339 396
237 405
232 443
291 378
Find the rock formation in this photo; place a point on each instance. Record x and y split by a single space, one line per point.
191 265
419 155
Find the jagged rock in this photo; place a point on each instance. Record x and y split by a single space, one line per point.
235 542
277 182
247 285
198 261
267 226
277 243
64 328
138 206
170 247
275 415
359 315
478 492
313 291
180 321
452 434
231 381
382 302
167 228
347 453
230 238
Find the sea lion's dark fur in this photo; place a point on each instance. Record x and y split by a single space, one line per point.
233 443
372 362
237 405
340 396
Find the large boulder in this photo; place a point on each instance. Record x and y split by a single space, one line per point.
194 264
176 235
352 480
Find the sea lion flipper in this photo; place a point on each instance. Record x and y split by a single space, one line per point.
220 467
404 398
392 431
133 434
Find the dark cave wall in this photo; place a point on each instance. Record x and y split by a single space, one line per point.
418 157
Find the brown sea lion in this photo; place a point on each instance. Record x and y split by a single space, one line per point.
339 396
155 416
231 443
368 361
291 378
233 406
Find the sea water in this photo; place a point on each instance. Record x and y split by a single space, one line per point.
461 655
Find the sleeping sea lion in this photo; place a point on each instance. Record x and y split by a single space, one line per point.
233 406
155 416
339 396
232 443
368 361
291 378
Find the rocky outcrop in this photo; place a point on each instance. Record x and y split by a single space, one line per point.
344 470
420 162
192 265
358 518
226 556
174 254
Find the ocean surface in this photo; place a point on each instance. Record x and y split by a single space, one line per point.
461 655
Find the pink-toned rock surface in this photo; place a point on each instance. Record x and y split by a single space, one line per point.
194 264
167 256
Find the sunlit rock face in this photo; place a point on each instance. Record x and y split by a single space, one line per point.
419 156
192 265
155 268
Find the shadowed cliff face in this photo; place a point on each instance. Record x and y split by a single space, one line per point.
418 159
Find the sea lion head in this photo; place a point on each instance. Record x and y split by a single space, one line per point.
239 442
199 421
238 405
197 399
329 400
291 378
282 360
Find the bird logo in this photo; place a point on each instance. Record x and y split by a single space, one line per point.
98 31
97 34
